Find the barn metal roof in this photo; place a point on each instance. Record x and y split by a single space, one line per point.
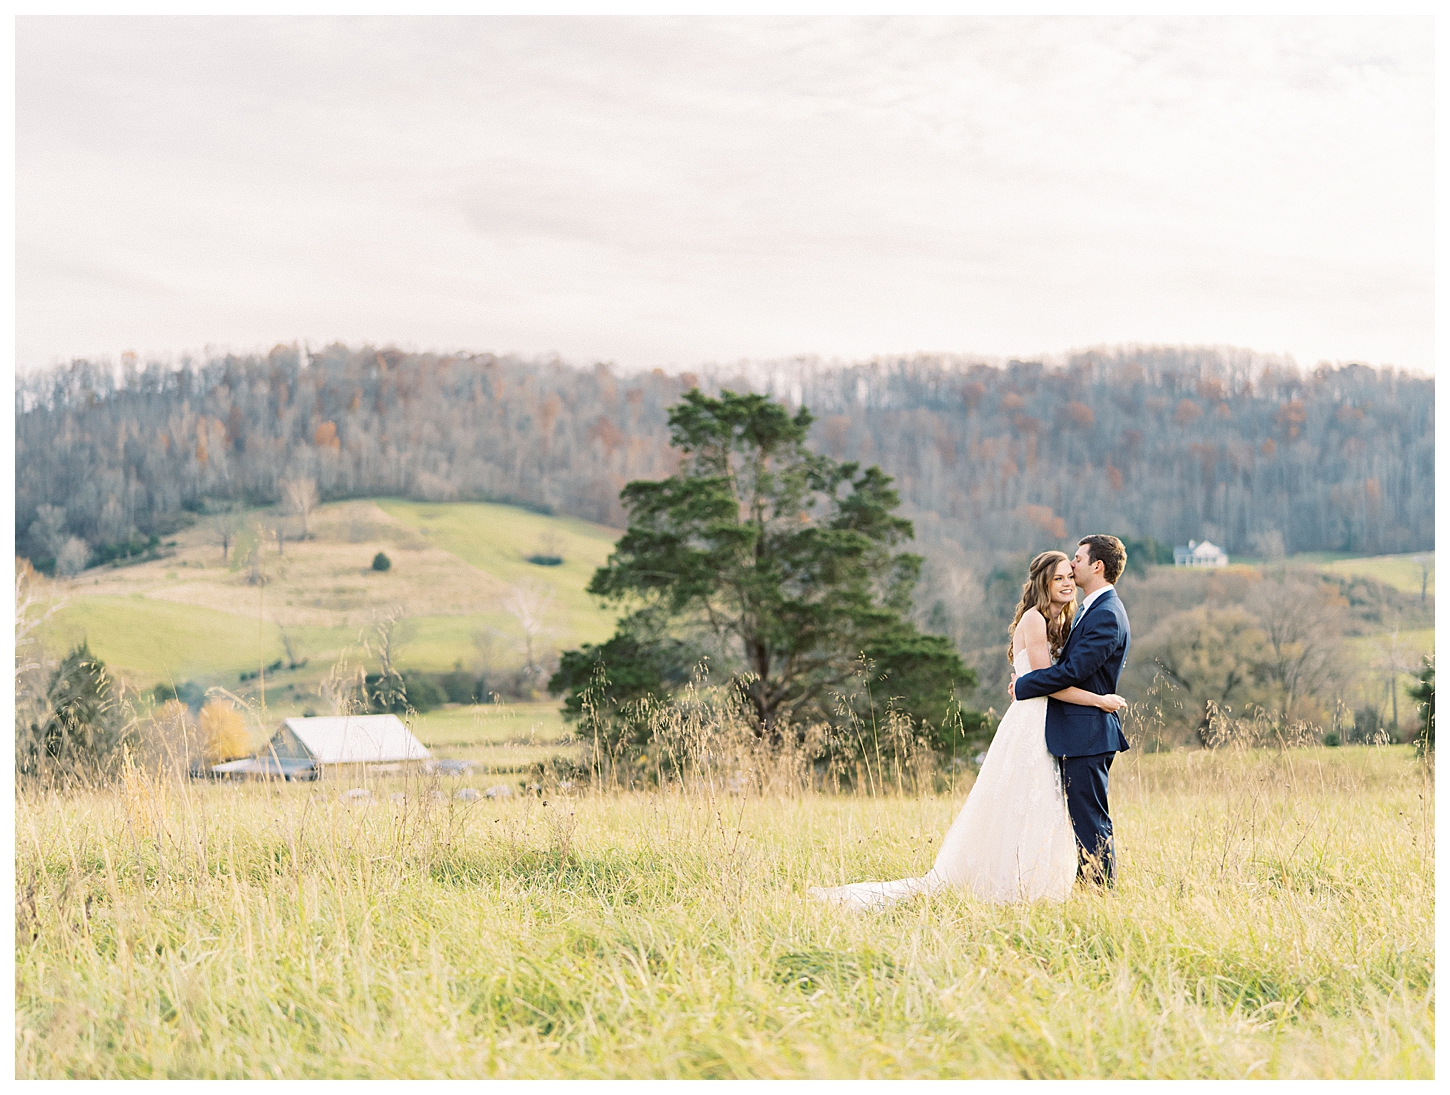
356 739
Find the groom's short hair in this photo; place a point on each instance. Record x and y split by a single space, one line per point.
1109 551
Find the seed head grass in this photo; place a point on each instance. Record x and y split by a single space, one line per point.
1273 918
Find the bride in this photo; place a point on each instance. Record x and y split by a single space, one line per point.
1013 840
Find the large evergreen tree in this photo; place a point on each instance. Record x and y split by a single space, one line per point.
778 561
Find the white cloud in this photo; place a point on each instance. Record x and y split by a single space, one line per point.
666 191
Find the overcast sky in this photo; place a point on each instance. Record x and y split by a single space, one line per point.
675 191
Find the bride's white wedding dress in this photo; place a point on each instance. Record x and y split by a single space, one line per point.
1013 840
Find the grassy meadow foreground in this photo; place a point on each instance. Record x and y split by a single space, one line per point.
1274 918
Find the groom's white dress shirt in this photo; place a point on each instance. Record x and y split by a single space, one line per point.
1087 602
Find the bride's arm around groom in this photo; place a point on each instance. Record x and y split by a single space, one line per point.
1094 642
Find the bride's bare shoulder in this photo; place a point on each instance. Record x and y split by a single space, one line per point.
1032 625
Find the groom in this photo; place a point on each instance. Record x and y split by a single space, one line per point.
1085 739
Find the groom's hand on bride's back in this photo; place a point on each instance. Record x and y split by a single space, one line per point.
1012 688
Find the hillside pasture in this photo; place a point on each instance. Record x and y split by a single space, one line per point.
497 540
192 616
1401 572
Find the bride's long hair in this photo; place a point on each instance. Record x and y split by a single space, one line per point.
1036 594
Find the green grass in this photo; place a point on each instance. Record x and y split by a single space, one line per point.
1401 572
136 624
500 737
162 640
435 644
1260 929
159 640
498 539
149 637
483 724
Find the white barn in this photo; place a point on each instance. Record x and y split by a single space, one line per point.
1199 554
303 747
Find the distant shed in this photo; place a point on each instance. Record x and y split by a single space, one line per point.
303 747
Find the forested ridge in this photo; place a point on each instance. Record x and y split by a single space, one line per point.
1169 443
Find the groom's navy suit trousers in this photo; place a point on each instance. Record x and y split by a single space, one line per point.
1087 738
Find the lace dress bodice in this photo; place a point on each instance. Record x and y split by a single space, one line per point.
1022 664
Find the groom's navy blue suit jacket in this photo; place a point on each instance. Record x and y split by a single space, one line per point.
1092 658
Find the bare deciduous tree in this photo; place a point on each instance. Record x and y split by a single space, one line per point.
529 603
1303 627
71 559
114 525
1164 442
223 527
292 662
251 539
1212 657
1268 545
483 643
1426 562
1394 657
299 496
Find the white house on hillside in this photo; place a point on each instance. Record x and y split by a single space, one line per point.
1199 554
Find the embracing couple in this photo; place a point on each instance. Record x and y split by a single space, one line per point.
1037 817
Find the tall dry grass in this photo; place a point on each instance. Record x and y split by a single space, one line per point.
1273 918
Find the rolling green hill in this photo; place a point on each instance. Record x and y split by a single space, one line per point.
498 540
1402 572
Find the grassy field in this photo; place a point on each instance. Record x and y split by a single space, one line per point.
1402 572
498 540
490 723
160 640
1260 929
191 617
498 737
